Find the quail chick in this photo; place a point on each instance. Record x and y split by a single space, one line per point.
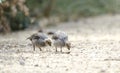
39 40
60 39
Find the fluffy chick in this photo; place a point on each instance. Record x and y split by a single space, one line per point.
39 40
60 39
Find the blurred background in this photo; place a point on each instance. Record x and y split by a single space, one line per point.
18 15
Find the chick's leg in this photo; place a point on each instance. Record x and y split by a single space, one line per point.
61 49
55 49
40 48
33 47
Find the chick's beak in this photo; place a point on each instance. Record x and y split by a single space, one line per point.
49 42
68 45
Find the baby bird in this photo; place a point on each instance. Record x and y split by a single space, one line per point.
60 39
39 40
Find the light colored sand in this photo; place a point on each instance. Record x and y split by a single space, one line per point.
95 49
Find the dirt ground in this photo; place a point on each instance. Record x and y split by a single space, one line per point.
95 49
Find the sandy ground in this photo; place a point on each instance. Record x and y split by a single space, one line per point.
95 49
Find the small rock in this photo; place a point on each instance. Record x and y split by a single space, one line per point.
47 66
102 71
67 69
21 63
36 65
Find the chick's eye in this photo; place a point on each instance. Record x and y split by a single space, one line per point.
55 37
36 37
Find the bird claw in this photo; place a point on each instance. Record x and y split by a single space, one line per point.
65 52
